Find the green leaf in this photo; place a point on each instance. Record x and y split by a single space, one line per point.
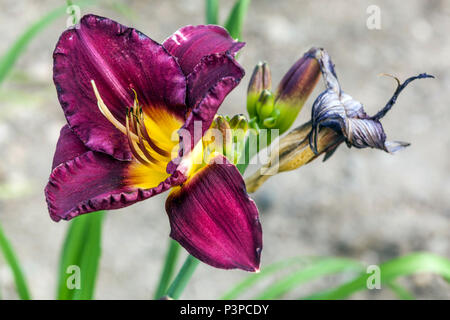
82 249
182 279
212 11
263 274
389 272
8 59
168 269
319 268
236 18
11 259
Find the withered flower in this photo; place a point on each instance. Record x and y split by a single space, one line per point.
336 117
337 110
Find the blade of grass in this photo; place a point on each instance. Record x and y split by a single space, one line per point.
236 18
168 269
70 253
212 11
181 280
8 59
389 271
91 259
255 278
11 259
319 268
82 248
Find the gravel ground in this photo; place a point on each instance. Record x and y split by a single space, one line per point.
361 204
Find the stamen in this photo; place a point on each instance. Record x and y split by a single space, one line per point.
133 121
133 148
149 140
144 149
108 115
105 111
135 129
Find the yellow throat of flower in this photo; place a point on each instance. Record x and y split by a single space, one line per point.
153 138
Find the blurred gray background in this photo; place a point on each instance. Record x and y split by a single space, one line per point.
361 204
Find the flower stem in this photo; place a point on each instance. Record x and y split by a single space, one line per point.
11 259
183 277
169 266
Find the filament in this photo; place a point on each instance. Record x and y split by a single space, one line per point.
135 130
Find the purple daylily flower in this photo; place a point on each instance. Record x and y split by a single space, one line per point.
123 96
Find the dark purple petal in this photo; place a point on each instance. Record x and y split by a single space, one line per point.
214 219
95 181
210 82
118 59
69 146
208 72
191 43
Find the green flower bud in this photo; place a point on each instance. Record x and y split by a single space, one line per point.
234 122
233 132
243 124
220 123
265 105
295 87
261 80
